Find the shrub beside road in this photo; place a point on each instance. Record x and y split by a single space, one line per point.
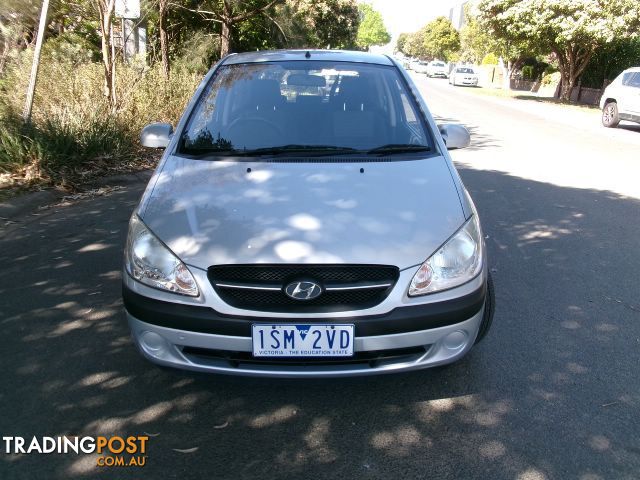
74 134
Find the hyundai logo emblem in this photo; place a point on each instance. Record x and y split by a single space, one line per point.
303 290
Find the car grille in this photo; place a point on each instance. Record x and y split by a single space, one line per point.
261 287
369 358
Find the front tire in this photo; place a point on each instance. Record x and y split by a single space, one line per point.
610 116
489 308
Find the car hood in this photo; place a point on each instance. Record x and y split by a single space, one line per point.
315 211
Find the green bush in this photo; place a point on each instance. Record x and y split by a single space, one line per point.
73 127
527 72
56 147
198 53
490 59
550 79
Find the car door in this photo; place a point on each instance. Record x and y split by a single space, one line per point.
632 94
454 76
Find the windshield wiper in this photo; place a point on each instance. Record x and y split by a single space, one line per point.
294 148
200 152
399 148
316 150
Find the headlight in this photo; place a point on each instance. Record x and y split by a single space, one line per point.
456 262
150 262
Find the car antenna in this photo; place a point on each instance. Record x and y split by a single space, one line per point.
307 55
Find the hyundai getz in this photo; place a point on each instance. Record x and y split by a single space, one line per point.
306 220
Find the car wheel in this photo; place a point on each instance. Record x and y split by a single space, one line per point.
610 117
489 308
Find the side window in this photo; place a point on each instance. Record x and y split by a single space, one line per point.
409 113
415 133
634 81
626 78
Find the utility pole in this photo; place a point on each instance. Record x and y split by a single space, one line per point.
26 114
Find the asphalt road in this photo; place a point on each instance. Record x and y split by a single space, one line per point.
553 392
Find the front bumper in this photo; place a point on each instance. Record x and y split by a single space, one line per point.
407 338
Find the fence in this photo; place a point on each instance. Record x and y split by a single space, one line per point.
579 94
492 76
587 96
528 85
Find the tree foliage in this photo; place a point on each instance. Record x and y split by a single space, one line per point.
320 24
475 41
440 39
401 42
411 44
371 30
607 62
437 39
571 31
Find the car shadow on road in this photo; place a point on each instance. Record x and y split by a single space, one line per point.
551 392
632 127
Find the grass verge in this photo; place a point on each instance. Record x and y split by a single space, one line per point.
525 95
75 135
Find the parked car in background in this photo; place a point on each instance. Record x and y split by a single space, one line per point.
621 99
421 67
463 76
437 69
306 220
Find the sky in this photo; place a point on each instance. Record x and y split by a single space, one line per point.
410 15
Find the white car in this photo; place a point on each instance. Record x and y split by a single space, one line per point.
421 67
437 69
621 99
464 76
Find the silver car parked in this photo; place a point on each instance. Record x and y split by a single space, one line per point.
306 220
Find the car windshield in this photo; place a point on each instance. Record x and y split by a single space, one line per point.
438 64
312 106
465 70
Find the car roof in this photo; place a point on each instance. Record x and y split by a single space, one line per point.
633 69
294 55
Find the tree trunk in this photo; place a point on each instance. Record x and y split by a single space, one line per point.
105 8
566 86
506 76
508 70
164 40
225 40
106 59
227 25
572 63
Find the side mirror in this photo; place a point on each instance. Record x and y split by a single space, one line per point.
454 135
156 135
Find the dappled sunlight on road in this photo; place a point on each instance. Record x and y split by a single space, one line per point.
555 375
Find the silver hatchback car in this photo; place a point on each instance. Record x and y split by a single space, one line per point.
306 220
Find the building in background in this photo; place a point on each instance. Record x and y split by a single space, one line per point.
456 15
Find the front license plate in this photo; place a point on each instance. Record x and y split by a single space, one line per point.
302 340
